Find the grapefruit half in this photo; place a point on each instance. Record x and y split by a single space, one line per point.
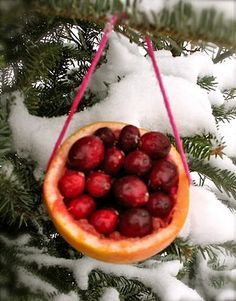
114 248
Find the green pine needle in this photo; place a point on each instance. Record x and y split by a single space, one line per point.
207 82
5 133
224 113
223 179
19 192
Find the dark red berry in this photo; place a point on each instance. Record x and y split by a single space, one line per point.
159 204
155 144
113 161
106 135
117 133
129 138
135 222
86 153
137 163
72 184
104 220
130 191
98 184
82 206
164 175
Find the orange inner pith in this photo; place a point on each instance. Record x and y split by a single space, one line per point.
158 224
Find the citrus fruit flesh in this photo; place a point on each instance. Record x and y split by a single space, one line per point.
114 247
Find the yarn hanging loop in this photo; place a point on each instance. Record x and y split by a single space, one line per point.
80 93
168 107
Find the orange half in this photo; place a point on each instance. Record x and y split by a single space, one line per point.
84 238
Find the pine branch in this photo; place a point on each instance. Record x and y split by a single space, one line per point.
228 248
46 67
128 289
15 257
230 94
5 132
180 21
184 250
224 113
14 250
207 82
11 263
201 146
223 55
45 79
223 179
19 191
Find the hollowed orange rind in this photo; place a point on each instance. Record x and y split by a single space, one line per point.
84 238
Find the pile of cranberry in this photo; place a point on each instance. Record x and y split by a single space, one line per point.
120 181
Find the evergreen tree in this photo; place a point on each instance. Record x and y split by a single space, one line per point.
45 50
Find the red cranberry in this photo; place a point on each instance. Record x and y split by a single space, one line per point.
117 133
155 144
98 184
135 222
113 161
164 175
129 138
72 184
106 135
86 153
130 191
159 204
137 163
82 206
104 220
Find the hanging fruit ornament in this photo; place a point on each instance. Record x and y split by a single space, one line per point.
117 193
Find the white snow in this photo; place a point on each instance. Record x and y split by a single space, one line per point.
20 241
122 59
33 283
228 131
188 67
206 273
189 103
36 136
226 260
225 73
160 277
72 296
223 163
136 99
228 7
110 294
226 294
6 169
232 274
209 221
46 260
216 98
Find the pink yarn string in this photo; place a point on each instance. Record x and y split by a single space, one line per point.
168 107
108 28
